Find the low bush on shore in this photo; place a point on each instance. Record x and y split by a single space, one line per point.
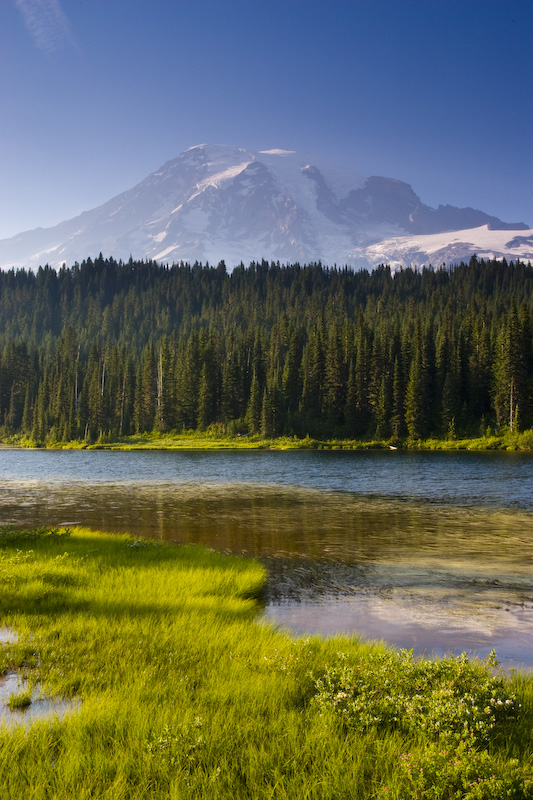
182 692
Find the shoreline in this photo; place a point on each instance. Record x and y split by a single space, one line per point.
175 683
507 441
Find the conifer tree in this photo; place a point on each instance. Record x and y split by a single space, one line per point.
335 380
165 394
415 411
27 413
291 374
108 348
313 375
397 422
510 370
254 412
272 410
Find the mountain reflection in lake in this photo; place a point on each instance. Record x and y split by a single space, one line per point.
435 576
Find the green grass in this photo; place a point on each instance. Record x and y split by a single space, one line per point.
183 692
20 700
215 439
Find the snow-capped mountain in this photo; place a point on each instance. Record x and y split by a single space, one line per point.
217 202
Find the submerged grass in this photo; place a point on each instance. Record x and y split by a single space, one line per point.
184 693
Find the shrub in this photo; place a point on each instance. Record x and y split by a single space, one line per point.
453 699
463 772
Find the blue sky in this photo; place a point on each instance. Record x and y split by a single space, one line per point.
96 94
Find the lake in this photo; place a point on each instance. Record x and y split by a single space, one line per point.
431 551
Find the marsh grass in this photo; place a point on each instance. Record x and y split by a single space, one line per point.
183 692
20 700
215 438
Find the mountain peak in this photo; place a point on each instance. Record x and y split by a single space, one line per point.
278 152
220 202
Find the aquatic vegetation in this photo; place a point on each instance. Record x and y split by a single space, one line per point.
181 692
20 700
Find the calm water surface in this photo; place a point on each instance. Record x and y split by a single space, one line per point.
432 551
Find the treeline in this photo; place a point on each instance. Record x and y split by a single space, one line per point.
108 349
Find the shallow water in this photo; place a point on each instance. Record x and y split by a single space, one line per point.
7 636
427 550
40 707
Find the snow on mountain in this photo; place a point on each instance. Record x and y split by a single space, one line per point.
218 202
451 247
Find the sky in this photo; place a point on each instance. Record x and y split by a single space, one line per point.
96 94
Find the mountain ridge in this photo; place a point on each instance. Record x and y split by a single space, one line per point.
219 202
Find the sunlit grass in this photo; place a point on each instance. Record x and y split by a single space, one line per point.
184 693
215 439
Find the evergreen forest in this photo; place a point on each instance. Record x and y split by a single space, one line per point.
106 349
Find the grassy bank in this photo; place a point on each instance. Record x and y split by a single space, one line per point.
214 439
183 693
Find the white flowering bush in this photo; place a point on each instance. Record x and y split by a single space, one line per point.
461 772
452 698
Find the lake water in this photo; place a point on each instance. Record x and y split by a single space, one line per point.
430 551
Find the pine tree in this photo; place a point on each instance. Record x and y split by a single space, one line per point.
27 413
511 373
164 396
361 379
335 380
254 412
313 375
272 411
419 395
148 397
397 422
210 383
383 409
108 348
291 374
415 410
230 403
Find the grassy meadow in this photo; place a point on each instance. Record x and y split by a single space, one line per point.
180 691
